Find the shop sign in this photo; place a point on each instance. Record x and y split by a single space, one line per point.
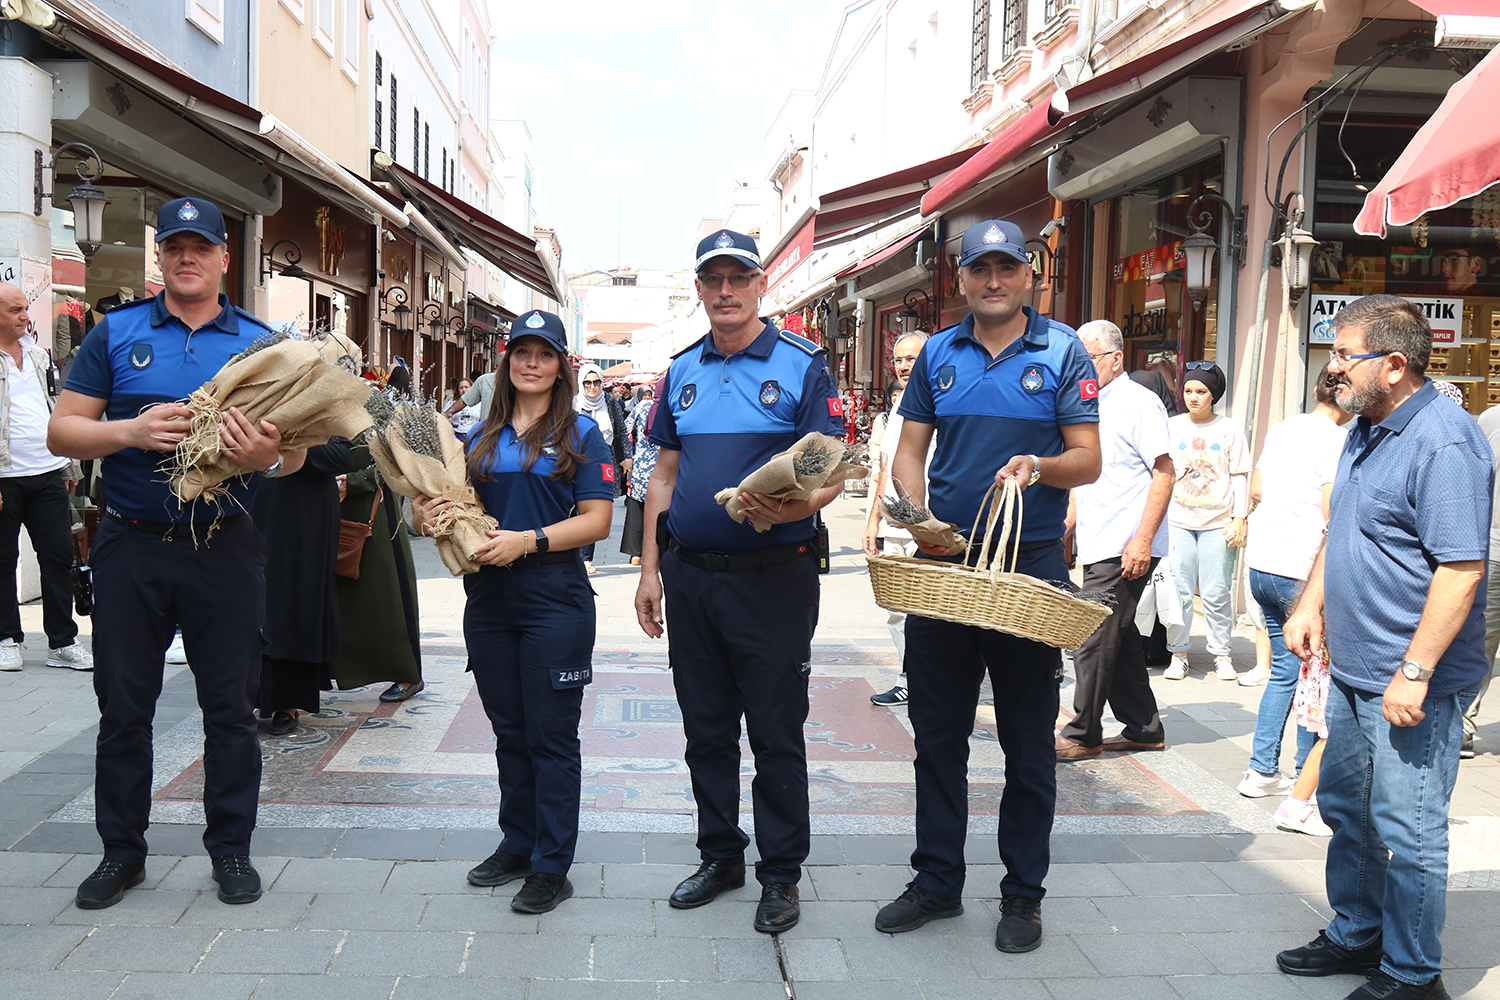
1445 315
791 255
1143 265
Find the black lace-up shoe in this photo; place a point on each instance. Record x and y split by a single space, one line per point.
778 910
542 892
238 880
499 868
915 907
107 885
1321 957
705 884
1384 987
1020 927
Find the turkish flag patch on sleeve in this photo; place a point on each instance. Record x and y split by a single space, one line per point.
1088 388
835 407
607 471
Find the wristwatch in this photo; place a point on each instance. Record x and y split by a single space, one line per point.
542 542
274 470
1413 671
1036 470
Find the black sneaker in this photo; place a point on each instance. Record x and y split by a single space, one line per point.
542 892
499 868
1384 987
107 885
1321 957
1020 927
895 696
238 880
915 907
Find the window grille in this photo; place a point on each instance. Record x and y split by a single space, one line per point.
393 116
979 61
1015 28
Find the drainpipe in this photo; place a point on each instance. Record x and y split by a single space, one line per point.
1084 45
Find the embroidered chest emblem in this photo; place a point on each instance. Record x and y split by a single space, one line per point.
770 392
688 394
1032 380
945 377
141 355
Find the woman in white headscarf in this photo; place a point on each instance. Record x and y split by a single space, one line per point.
609 413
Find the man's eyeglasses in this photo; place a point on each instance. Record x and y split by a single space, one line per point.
592 381
739 282
1350 360
1103 354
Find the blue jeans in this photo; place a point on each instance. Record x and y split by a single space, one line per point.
1385 787
1202 561
1277 596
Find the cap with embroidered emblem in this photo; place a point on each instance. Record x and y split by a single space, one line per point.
727 243
191 215
547 326
992 236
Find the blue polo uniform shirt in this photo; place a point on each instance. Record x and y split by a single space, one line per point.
141 354
1412 492
523 499
728 415
988 410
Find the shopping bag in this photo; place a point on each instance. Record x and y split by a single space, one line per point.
1158 600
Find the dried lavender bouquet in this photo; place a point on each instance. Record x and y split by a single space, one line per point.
795 474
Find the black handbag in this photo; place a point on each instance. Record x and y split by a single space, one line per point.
83 582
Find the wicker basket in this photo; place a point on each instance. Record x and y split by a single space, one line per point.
988 596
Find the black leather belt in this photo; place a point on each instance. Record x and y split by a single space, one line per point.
168 530
544 559
719 562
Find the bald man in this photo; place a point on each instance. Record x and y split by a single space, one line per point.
34 488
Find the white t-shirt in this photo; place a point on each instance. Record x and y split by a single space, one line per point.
888 442
28 421
1300 457
1489 422
1207 458
1132 435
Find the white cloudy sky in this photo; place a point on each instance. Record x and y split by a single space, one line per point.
648 110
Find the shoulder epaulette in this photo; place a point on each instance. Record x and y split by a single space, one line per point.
801 343
243 314
133 303
695 344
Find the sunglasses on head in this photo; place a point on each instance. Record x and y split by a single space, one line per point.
1200 366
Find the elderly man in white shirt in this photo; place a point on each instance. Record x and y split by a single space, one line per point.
1120 529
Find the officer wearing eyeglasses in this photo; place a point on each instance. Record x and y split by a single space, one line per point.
742 605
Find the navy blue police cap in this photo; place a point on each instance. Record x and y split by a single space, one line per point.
191 215
541 324
992 236
727 243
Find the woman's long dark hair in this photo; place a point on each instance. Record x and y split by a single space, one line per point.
555 429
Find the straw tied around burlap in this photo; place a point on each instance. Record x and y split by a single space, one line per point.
297 385
986 594
795 474
419 455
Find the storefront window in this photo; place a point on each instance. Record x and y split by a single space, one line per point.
1448 261
1147 295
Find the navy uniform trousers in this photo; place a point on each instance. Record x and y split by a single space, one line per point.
145 586
741 644
530 637
945 664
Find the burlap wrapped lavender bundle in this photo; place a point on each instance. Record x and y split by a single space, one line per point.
922 525
278 379
795 474
419 455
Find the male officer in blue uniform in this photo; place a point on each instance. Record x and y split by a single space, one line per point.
1005 389
159 563
742 605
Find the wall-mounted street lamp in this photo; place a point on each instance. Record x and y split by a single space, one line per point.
87 200
1200 248
432 315
400 312
918 303
293 256
1296 245
1043 260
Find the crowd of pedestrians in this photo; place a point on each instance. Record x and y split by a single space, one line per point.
1366 527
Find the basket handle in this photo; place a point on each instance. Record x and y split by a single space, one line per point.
1010 500
981 562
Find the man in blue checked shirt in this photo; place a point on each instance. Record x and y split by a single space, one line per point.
1010 390
1398 594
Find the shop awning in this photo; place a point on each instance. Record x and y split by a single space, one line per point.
1472 8
882 198
870 260
621 370
1034 125
1454 156
510 251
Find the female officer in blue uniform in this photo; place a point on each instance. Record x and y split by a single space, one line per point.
545 473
